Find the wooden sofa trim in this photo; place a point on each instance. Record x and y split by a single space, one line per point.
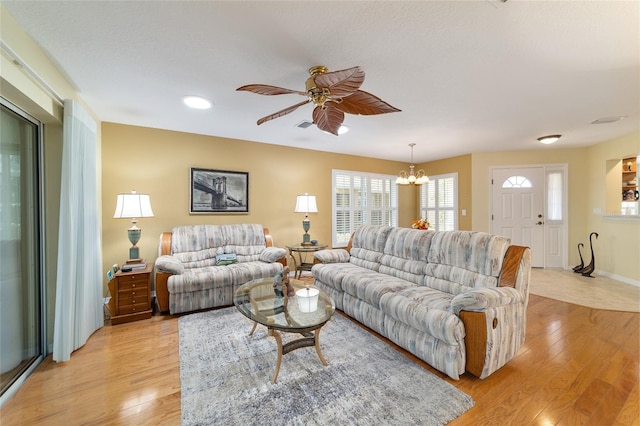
475 323
162 278
511 266
475 340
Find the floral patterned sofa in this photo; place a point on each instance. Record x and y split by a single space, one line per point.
455 299
193 270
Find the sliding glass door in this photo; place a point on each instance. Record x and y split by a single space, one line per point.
21 294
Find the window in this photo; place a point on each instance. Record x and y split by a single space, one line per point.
554 195
361 198
517 182
439 202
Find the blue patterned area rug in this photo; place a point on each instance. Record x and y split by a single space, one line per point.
225 378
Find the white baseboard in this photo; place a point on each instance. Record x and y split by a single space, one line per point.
618 278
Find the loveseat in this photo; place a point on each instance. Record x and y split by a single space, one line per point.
201 266
455 299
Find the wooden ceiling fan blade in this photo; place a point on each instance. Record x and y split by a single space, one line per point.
282 112
265 89
341 83
328 118
364 103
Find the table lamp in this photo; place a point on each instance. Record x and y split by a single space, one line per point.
306 204
132 206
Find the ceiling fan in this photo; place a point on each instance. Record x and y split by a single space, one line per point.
333 93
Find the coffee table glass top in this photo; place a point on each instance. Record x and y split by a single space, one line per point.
258 302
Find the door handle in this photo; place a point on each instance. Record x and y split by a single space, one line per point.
539 216
540 223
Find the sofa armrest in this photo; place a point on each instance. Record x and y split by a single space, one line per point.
273 254
494 322
164 245
480 299
332 256
169 264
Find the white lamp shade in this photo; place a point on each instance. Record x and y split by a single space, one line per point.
133 205
306 204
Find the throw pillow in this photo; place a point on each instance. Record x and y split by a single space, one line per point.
226 259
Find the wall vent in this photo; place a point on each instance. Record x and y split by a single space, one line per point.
304 124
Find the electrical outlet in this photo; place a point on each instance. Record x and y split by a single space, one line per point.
109 274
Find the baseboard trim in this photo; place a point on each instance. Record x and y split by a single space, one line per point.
618 278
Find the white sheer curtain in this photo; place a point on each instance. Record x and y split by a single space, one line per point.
554 196
79 310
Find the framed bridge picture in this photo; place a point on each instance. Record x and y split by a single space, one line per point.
218 191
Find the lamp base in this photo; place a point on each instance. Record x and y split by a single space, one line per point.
306 239
134 253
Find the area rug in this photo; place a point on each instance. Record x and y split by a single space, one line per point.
225 378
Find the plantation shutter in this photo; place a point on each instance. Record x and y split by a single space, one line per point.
439 202
361 198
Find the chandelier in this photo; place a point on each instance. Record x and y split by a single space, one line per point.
412 178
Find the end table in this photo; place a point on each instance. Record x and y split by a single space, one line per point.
131 295
302 264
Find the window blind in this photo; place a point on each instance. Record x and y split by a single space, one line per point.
361 198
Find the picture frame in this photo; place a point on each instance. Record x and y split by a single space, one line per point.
218 191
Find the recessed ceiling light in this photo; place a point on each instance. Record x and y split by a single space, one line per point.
197 102
549 139
607 120
343 129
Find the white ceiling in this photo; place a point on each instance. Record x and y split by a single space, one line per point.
469 76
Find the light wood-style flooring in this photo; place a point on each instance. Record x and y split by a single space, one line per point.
579 366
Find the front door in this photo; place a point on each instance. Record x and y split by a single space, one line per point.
518 208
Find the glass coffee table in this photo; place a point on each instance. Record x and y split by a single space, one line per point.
258 301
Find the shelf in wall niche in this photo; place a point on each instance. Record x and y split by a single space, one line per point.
631 217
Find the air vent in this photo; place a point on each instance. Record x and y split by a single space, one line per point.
607 120
304 124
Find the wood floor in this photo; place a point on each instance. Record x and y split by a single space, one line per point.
579 366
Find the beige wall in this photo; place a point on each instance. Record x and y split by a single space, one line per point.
617 249
462 166
157 162
587 183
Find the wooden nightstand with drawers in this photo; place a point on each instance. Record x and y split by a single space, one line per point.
131 295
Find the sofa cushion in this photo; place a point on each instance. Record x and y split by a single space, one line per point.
332 274
197 246
244 234
474 251
243 272
370 286
368 245
405 254
198 279
455 280
427 310
185 239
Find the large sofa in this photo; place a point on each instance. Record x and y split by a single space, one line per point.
455 299
201 266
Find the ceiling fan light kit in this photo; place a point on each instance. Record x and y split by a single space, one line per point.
549 139
333 94
412 178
